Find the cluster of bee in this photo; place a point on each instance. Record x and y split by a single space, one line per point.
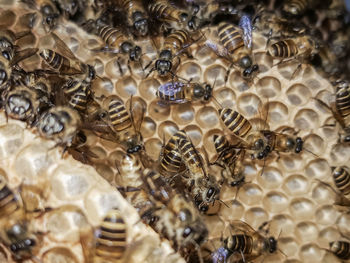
172 193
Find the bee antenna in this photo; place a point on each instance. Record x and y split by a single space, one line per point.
262 171
217 102
223 203
314 154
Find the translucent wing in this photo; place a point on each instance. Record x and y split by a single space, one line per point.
62 48
245 24
171 92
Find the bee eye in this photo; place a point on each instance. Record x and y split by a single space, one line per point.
187 232
6 55
210 192
259 144
245 62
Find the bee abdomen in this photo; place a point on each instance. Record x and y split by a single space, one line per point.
118 115
171 162
235 122
296 7
343 101
111 241
174 141
176 40
341 179
341 249
8 201
240 243
79 101
113 37
160 10
52 58
283 49
230 37
189 153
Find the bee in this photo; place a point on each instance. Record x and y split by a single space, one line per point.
130 170
179 92
48 10
67 64
341 178
174 44
7 42
300 47
109 241
299 7
16 230
340 109
166 13
230 158
227 42
79 100
340 249
70 8
59 123
123 125
136 15
249 244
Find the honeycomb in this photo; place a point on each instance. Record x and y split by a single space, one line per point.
286 190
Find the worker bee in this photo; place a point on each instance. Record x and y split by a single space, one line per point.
226 41
247 244
130 170
59 123
79 100
340 249
16 229
340 109
299 7
48 10
174 44
7 42
170 15
70 8
179 92
136 15
341 178
230 159
67 64
108 243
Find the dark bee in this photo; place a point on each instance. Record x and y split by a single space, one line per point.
248 244
179 92
70 8
136 15
174 44
341 249
172 16
226 41
59 123
230 158
341 178
235 122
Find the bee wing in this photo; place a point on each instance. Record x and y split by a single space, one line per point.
63 48
246 25
240 226
169 91
23 54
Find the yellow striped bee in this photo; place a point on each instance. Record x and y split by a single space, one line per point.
109 241
226 41
179 92
174 44
16 230
341 178
247 244
340 249
136 15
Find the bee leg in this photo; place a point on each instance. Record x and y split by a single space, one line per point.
228 72
296 70
128 64
119 66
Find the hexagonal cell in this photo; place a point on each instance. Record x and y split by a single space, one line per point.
207 117
271 178
255 216
295 185
318 168
158 111
153 148
277 112
226 97
183 113
233 211
11 140
59 254
285 224
148 88
166 130
215 74
105 171
126 87
306 231
298 94
268 87
263 60
309 252
205 56
250 194
148 127
189 70
248 105
194 133
8 18
306 119
302 208
275 201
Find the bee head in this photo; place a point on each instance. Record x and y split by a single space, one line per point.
272 244
3 76
245 62
135 53
299 145
141 24
19 106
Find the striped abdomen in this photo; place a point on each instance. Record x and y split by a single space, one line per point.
111 240
230 37
240 243
341 179
172 92
190 156
131 6
342 101
55 60
295 7
174 142
79 101
283 49
222 147
171 163
161 10
341 249
8 201
118 116
112 36
235 122
176 41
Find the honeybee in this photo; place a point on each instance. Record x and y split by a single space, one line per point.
340 109
230 158
340 249
16 231
249 244
136 15
130 169
109 241
179 92
59 123
174 44
298 7
67 64
70 8
303 48
341 178
7 42
170 15
226 41
48 10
